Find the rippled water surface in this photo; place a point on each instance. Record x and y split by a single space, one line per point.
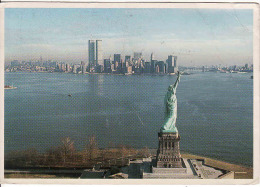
215 111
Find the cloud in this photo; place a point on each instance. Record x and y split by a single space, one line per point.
39 46
73 47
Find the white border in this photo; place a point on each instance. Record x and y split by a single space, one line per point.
1 93
253 5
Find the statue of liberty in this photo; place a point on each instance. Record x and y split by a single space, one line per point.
170 102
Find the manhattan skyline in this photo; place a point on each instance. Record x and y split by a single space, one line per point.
196 36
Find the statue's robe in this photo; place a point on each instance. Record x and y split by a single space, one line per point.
170 112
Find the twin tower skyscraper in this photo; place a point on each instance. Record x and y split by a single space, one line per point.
95 53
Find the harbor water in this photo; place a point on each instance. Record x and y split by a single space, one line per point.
215 111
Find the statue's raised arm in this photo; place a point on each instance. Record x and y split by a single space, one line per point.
176 82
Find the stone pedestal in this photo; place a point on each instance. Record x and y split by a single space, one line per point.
168 153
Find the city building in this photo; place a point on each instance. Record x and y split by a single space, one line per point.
107 66
68 68
63 67
161 66
170 62
83 67
99 68
129 70
99 52
147 67
15 63
113 69
128 59
157 69
95 54
117 58
137 57
153 64
91 53
76 68
118 63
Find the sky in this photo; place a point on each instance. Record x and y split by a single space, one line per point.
196 36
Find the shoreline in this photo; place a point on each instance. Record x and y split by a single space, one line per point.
192 154
184 73
240 171
215 158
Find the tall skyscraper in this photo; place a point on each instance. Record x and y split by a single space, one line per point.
172 64
99 52
117 58
118 62
91 53
170 60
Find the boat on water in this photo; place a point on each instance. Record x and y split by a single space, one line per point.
9 87
185 73
241 72
69 95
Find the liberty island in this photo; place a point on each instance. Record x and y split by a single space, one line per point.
168 163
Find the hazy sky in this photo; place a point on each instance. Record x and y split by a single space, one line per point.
196 36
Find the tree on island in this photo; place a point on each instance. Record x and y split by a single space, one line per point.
91 150
67 149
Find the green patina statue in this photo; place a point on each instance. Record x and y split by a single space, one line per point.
171 108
